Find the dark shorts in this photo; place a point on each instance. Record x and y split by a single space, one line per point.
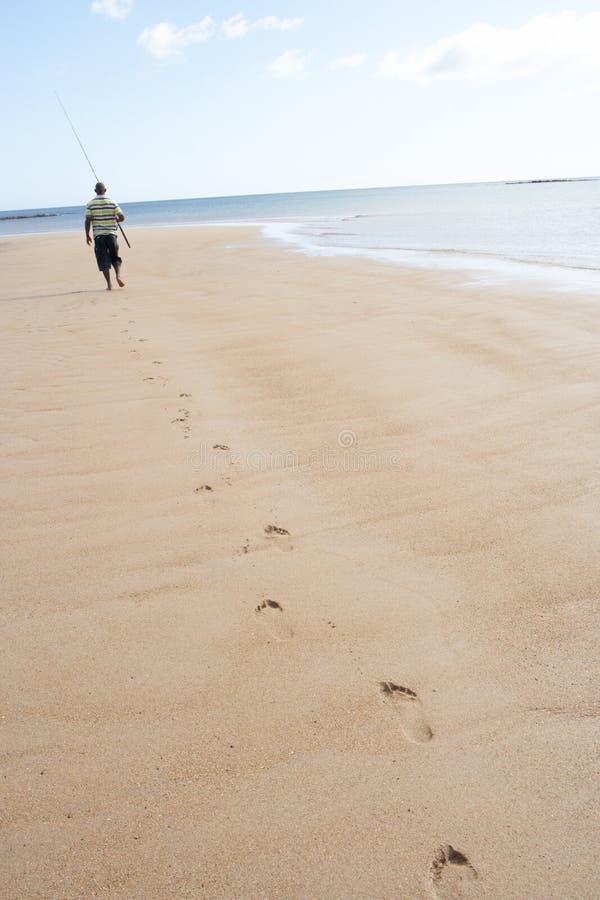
106 249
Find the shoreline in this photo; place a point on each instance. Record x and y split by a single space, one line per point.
300 577
480 269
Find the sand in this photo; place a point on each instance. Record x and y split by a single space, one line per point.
300 560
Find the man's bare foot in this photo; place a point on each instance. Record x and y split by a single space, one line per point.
120 283
109 288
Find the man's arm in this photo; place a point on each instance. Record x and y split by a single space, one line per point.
88 222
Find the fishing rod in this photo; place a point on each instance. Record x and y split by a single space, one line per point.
86 156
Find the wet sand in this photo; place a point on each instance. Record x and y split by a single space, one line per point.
300 564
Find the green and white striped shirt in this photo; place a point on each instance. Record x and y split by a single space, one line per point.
103 212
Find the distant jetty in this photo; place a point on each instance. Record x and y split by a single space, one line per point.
30 216
551 180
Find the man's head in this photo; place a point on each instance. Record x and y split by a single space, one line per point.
100 188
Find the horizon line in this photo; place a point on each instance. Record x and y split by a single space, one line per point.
512 181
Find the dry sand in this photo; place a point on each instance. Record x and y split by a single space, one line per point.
349 656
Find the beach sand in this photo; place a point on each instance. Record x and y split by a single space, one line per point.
300 566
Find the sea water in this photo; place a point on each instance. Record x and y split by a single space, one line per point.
494 231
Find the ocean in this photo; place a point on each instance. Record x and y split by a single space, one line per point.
495 232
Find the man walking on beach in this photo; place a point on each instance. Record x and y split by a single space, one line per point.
103 214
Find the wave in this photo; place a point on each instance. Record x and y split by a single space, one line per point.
489 267
485 254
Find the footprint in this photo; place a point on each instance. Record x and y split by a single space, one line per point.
271 612
452 875
149 378
203 487
220 447
182 419
157 362
281 536
185 395
409 706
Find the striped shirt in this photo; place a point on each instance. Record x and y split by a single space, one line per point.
103 212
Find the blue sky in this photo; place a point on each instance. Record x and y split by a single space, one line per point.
192 99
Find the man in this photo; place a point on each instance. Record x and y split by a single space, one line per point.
103 214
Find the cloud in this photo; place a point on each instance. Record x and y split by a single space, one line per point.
349 62
238 26
273 23
114 9
291 64
165 41
235 27
566 40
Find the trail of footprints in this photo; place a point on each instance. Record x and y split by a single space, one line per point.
451 873
183 414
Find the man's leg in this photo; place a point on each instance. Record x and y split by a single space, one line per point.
117 273
116 261
103 259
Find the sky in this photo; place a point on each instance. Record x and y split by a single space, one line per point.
174 98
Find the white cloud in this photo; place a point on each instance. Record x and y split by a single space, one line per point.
235 27
273 23
566 40
165 41
114 9
291 64
349 62
238 26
